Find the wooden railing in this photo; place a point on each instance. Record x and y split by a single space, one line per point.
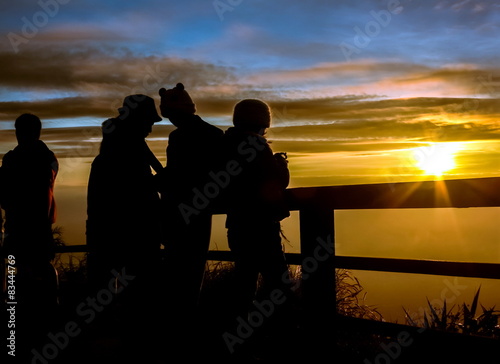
316 206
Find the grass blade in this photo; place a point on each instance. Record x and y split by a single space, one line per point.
434 313
443 316
474 303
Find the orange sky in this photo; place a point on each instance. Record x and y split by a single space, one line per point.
361 92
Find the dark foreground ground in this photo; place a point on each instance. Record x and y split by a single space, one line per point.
295 341
148 333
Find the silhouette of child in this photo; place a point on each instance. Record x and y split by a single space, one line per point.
255 203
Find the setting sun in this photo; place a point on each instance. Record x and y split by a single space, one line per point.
436 158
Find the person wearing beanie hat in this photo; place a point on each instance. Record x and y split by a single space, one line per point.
176 101
192 153
255 204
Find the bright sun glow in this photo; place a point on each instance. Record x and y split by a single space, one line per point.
436 158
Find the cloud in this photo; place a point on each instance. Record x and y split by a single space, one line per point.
337 72
469 6
83 142
58 83
70 107
389 78
417 120
76 69
336 101
328 119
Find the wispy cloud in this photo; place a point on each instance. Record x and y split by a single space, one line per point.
402 86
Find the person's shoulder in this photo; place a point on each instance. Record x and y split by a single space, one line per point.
233 132
10 155
42 145
175 134
218 131
44 148
96 162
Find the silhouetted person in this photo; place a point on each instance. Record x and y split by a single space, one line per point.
255 204
28 174
123 209
191 156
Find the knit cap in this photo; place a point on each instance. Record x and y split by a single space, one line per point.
176 99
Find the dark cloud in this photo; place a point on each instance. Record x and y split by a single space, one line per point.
103 70
64 108
331 119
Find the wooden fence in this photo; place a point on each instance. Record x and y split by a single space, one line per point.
316 206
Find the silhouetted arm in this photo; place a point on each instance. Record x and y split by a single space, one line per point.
2 189
282 172
153 161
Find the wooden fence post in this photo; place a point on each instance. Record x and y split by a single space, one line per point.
317 244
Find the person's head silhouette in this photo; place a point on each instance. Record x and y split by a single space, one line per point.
176 104
28 128
252 115
139 112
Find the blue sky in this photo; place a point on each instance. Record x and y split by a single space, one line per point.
357 76
357 88
422 76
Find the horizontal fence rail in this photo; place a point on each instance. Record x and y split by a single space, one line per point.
460 193
394 265
478 192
